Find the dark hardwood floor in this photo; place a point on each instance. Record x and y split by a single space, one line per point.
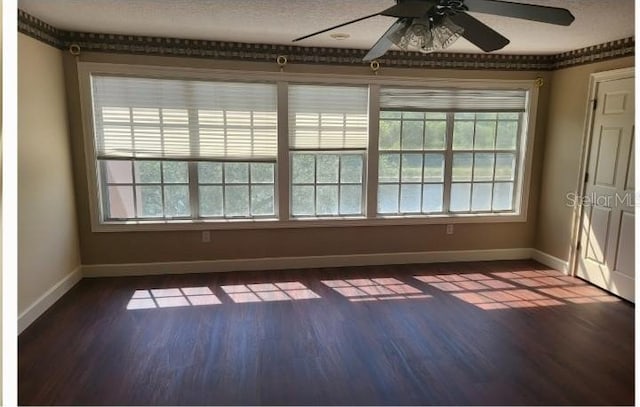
466 333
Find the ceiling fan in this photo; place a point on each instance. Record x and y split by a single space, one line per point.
433 25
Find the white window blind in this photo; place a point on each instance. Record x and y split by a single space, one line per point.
184 119
328 117
453 99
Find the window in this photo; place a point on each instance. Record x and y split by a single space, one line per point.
326 184
236 189
448 151
146 189
484 161
411 162
170 150
328 137
180 149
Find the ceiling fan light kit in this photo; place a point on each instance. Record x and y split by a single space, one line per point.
433 25
423 36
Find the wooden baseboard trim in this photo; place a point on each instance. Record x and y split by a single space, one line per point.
209 266
46 300
550 261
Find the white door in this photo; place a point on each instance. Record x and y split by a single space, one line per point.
606 255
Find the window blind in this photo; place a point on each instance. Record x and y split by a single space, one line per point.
453 99
184 119
328 117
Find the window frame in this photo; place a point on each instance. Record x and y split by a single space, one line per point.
362 151
448 152
282 168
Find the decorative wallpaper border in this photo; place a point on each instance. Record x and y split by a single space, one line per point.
145 45
601 52
38 29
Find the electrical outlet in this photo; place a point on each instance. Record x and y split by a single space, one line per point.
449 229
206 236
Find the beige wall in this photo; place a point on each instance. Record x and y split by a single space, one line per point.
1 228
565 131
132 247
47 230
562 101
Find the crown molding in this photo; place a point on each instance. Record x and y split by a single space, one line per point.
177 47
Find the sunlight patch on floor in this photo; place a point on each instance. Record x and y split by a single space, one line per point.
542 288
374 289
172 297
294 290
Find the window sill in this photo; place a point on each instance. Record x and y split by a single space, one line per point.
236 224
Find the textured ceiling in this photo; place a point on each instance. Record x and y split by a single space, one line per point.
279 21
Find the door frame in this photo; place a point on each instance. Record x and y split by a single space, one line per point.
595 80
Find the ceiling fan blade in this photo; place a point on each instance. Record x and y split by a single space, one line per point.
478 33
384 43
544 14
336 26
409 9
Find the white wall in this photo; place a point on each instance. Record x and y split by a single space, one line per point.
48 249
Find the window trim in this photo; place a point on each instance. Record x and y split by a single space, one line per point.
85 69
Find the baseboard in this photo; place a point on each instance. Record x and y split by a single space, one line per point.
550 261
47 299
271 263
